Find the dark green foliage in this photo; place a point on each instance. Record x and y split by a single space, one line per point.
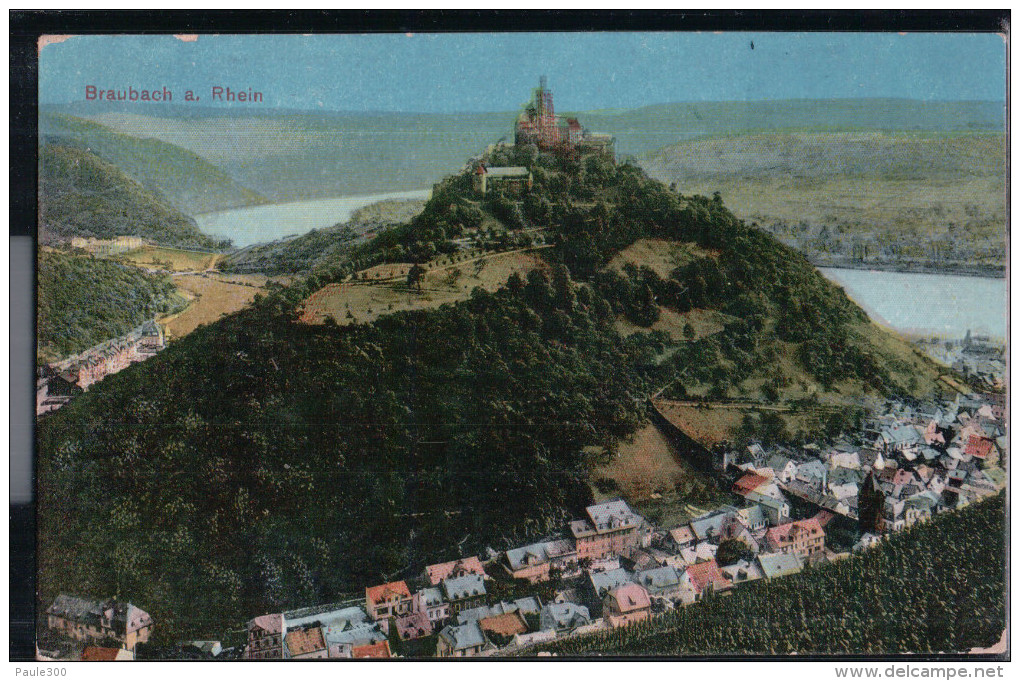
307 462
871 506
83 301
732 550
80 194
938 587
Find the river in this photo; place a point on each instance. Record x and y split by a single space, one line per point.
946 305
261 224
915 303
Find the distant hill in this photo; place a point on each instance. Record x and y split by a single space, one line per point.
185 179
80 194
932 200
84 300
290 155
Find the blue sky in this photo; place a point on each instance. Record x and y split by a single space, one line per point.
495 72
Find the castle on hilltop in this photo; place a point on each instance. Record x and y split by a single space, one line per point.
538 124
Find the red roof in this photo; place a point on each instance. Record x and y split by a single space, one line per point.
95 654
630 597
749 483
384 592
979 446
783 535
703 574
380 649
823 517
455 568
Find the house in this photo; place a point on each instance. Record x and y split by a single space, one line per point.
848 460
305 644
753 517
388 600
529 605
611 529
749 483
455 568
803 538
380 650
813 473
464 592
504 627
265 638
534 562
711 526
414 625
702 579
96 654
626 605
742 571
866 541
563 617
779 564
342 637
704 551
663 582
681 537
210 648
464 640
785 468
776 510
601 583
85 620
515 180
431 601
981 448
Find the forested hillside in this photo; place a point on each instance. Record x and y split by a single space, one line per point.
83 301
81 194
310 461
939 587
182 177
320 248
306 461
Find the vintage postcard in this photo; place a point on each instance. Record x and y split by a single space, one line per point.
508 345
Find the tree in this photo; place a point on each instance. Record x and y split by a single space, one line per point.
415 277
732 550
396 643
871 506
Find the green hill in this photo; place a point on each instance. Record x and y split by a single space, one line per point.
320 248
308 461
937 588
83 301
921 200
185 179
81 194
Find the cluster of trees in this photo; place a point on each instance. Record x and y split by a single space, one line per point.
80 194
938 587
307 461
83 301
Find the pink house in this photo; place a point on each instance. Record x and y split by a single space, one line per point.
626 605
455 568
265 638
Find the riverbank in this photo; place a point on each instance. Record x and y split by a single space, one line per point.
984 271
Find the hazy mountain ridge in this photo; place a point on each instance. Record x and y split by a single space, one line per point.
80 194
185 179
291 155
